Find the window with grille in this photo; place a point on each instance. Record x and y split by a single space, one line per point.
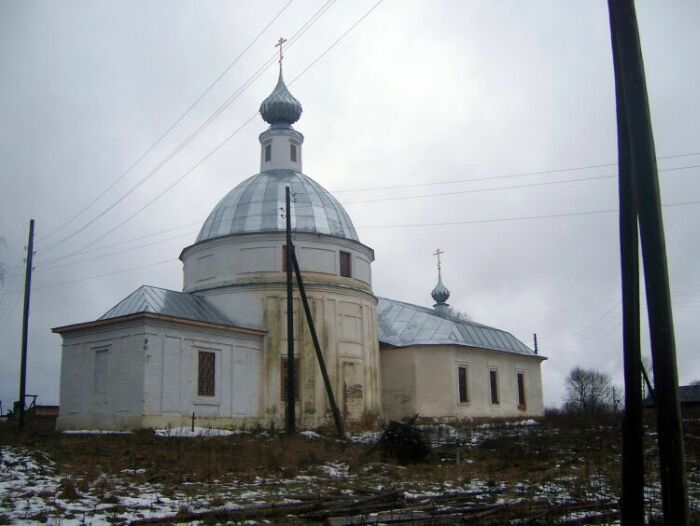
345 264
206 373
268 152
462 378
521 390
283 379
293 153
493 376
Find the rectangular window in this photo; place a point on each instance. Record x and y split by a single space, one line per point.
463 386
521 390
345 264
293 153
283 379
493 376
206 373
284 258
268 152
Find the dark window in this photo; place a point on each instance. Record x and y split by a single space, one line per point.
493 375
293 153
268 152
283 379
462 376
521 390
207 373
345 264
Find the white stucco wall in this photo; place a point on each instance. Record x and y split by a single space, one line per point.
434 386
143 373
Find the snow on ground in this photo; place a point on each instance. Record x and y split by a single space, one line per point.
189 432
95 432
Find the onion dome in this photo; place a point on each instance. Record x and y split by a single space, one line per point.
280 107
254 206
440 293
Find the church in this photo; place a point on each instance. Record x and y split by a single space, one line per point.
217 351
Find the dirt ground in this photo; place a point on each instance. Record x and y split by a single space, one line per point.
555 470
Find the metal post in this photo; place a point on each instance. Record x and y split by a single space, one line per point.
534 337
632 447
290 414
25 325
646 187
317 346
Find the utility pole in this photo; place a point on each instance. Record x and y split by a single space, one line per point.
630 82
317 347
632 430
25 324
290 423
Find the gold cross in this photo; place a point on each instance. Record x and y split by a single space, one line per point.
281 41
437 253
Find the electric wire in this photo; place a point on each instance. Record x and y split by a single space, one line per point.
173 125
182 145
213 151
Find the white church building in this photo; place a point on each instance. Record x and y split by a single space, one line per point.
218 348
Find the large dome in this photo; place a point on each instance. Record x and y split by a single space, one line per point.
257 205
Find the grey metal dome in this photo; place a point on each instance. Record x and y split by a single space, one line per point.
440 293
257 204
280 107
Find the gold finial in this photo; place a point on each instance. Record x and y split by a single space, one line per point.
438 253
281 41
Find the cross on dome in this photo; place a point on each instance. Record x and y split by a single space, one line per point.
280 108
440 293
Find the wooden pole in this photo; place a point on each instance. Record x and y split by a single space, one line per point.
290 423
25 325
632 432
632 82
317 347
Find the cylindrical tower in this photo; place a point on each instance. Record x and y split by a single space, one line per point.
238 260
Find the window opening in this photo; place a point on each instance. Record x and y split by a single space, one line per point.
462 380
521 390
345 264
268 152
293 152
493 375
207 373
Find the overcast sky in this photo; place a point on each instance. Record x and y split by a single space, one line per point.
417 95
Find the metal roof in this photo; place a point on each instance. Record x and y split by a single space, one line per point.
257 203
402 324
168 303
280 107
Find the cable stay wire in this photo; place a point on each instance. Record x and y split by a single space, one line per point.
496 220
172 126
508 176
212 152
207 122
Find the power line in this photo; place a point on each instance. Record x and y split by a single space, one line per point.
199 130
511 175
213 151
175 123
522 218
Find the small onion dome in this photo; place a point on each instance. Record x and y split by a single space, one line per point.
280 107
440 293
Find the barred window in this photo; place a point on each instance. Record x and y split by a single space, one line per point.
283 379
206 373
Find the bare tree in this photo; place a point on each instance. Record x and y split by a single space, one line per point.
460 315
588 391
